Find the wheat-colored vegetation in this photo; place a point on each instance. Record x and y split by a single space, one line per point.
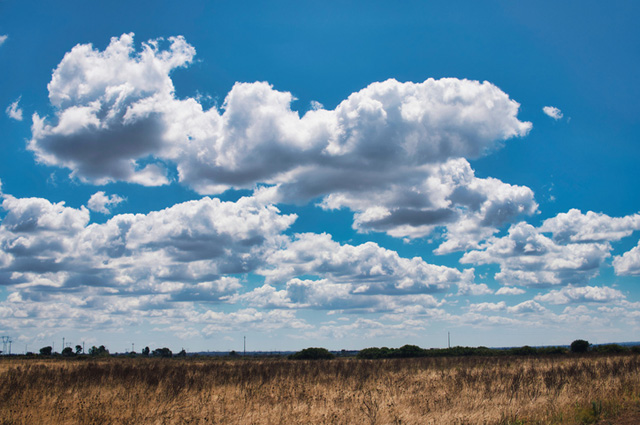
474 391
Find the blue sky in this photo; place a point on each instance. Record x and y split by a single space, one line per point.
337 174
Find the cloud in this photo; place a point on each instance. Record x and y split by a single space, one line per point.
528 258
368 268
121 97
527 307
581 294
574 226
445 195
510 290
14 111
318 273
101 203
104 127
3 38
251 318
628 264
482 307
473 289
394 153
181 251
195 253
552 112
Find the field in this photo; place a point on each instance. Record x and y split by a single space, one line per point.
481 390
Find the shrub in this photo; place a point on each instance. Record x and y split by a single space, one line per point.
312 353
46 351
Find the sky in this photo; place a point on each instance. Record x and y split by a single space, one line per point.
336 174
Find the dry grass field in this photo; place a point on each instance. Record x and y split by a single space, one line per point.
451 391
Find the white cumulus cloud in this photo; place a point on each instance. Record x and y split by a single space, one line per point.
574 226
527 307
14 111
529 258
3 38
628 264
553 112
367 268
102 203
599 294
186 251
395 153
510 290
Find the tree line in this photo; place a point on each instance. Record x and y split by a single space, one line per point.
102 351
406 351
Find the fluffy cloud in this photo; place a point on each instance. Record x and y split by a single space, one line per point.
628 264
184 251
102 203
14 111
529 258
581 294
450 195
510 290
3 38
104 125
122 101
484 307
394 153
316 272
552 112
194 253
574 226
250 318
368 268
527 307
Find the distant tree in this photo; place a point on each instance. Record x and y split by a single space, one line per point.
233 353
312 353
46 351
67 352
182 353
523 351
78 349
580 346
162 352
374 353
610 349
145 351
98 351
409 351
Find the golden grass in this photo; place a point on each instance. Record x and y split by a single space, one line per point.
474 391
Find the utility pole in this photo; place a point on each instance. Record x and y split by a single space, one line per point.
62 344
132 350
245 346
449 339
